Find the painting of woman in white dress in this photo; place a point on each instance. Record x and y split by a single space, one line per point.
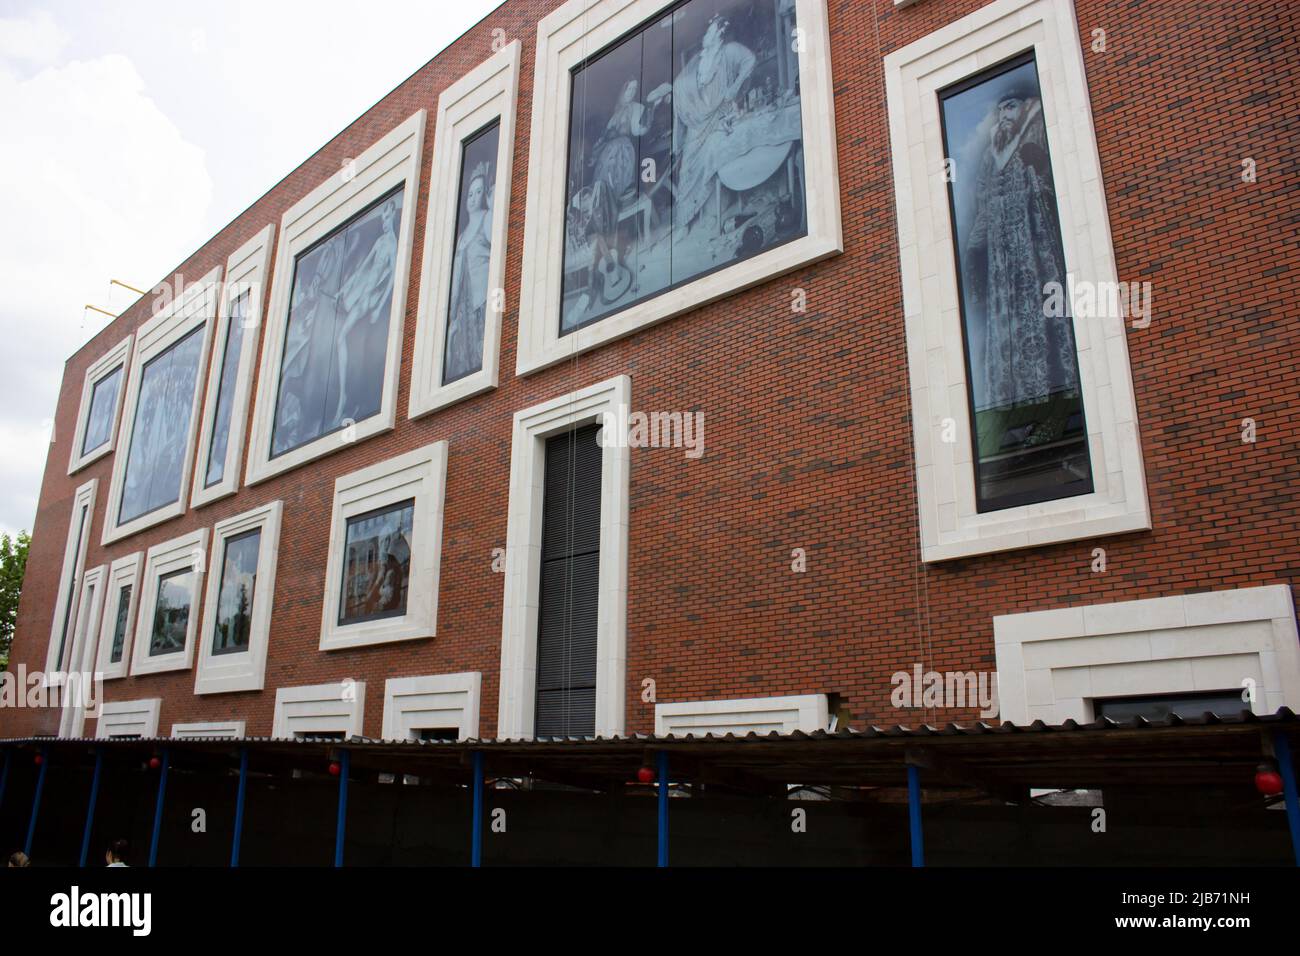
468 300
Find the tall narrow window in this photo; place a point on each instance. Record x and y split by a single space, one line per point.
73 586
1027 424
468 302
226 392
570 577
156 462
235 593
120 622
336 334
103 408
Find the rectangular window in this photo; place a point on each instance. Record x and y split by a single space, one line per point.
155 465
235 593
103 409
377 564
336 333
102 388
1227 703
71 588
1026 404
171 617
570 577
237 606
121 620
468 303
684 154
1024 419
226 392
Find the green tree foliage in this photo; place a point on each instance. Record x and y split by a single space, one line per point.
13 562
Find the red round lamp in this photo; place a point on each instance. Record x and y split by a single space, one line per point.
335 768
645 775
1268 782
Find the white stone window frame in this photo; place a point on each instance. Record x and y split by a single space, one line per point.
319 708
740 716
246 274
245 670
950 526
187 552
565 38
194 309
232 729
518 695
454 697
488 92
117 357
393 161
1053 664
81 662
420 475
70 576
122 573
123 717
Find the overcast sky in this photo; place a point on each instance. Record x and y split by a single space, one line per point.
131 131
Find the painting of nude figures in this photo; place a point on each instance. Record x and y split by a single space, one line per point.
336 337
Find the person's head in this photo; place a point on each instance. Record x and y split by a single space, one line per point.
116 852
18 859
629 91
1009 112
474 196
715 31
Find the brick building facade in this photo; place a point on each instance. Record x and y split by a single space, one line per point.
787 561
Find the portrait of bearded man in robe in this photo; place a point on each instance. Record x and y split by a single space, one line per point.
1012 253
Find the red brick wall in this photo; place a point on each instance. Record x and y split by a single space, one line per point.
808 435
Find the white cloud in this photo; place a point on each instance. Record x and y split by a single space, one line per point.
35 38
95 183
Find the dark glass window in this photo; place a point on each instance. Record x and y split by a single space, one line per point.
336 337
437 733
220 438
685 144
1022 366
119 626
570 586
103 403
155 462
377 564
73 584
467 303
1163 706
236 592
171 616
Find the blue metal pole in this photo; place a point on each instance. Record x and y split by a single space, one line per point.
341 831
239 805
476 839
663 807
1282 749
36 800
158 807
914 814
90 810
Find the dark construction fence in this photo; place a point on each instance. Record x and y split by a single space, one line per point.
720 813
